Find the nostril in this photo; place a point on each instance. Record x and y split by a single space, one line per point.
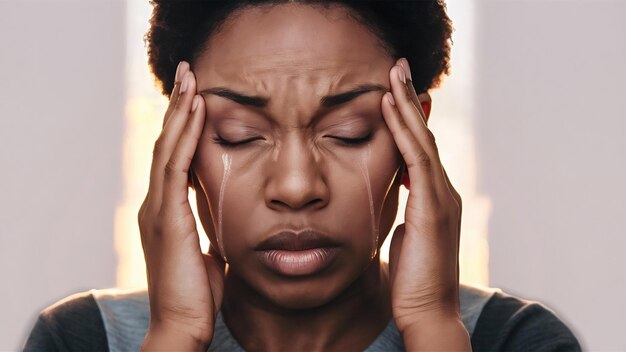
313 203
293 205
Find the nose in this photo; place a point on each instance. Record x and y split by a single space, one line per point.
296 180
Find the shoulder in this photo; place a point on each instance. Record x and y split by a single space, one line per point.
497 321
71 324
94 320
509 323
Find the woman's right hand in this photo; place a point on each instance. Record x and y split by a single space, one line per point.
185 286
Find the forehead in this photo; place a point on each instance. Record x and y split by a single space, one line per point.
319 46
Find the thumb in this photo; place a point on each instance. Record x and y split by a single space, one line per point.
394 249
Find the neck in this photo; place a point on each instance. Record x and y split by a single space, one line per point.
351 321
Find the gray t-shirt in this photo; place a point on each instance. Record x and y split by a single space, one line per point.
117 320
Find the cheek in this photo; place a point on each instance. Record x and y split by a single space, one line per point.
385 171
227 179
383 164
209 166
362 188
358 179
208 169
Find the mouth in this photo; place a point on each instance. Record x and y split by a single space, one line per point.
292 253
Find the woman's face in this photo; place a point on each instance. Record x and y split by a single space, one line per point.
295 160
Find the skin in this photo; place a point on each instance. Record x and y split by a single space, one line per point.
298 173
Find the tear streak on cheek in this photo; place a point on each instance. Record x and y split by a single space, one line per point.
365 157
227 161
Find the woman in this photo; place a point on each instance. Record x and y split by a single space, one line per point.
296 122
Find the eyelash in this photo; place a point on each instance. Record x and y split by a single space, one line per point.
355 141
346 141
227 144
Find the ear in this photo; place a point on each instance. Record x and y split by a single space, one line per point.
426 102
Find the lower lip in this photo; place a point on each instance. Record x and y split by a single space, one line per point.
298 263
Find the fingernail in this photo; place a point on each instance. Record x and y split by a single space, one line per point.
401 74
194 104
407 69
183 86
177 77
390 98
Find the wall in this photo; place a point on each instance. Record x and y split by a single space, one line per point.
548 116
61 127
550 126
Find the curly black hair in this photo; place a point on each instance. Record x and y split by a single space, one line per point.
419 30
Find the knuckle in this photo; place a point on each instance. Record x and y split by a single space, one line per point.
420 160
141 215
170 169
158 146
423 160
145 223
150 220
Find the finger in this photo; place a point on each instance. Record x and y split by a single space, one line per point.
412 114
394 250
165 144
175 183
181 70
412 92
459 201
415 157
407 102
455 194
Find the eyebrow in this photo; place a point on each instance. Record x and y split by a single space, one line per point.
326 101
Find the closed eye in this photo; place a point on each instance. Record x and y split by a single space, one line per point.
353 141
228 144
343 140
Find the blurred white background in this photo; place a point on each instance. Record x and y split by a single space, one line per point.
530 125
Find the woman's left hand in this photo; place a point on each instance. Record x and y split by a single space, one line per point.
424 265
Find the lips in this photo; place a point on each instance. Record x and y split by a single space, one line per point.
296 241
291 253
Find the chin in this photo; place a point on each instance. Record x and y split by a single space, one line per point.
309 292
301 301
305 295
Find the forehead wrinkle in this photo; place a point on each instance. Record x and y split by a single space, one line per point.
293 83
292 101
290 63
263 78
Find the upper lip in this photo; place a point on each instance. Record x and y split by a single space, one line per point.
291 240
